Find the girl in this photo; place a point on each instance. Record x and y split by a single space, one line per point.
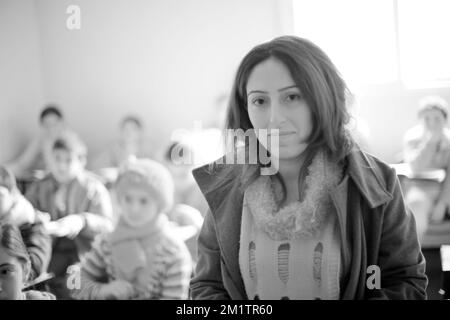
143 258
330 215
15 267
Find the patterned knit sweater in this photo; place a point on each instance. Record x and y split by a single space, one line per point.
292 252
167 274
300 269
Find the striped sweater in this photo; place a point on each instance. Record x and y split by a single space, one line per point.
167 274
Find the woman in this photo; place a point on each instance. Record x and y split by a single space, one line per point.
332 215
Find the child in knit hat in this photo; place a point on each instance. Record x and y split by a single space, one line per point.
143 258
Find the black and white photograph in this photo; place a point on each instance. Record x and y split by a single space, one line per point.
228 150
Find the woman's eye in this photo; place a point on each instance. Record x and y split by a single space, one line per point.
293 97
143 201
258 102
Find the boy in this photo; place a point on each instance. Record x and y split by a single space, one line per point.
34 157
78 205
144 257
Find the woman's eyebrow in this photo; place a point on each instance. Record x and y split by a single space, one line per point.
288 87
256 91
279 90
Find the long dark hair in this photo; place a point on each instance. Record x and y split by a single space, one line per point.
321 85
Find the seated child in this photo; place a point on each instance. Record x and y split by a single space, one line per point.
130 142
15 267
427 147
78 205
16 210
143 258
34 157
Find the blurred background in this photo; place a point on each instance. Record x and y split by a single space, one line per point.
172 62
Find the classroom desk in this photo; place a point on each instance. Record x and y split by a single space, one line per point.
436 234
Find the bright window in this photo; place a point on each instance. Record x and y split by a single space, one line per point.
424 27
357 35
381 41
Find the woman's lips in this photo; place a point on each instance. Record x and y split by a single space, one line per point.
282 133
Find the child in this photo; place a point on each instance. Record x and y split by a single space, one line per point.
427 147
16 210
78 205
130 142
34 157
15 267
143 258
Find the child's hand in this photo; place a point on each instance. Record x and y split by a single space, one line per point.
69 226
116 290
43 217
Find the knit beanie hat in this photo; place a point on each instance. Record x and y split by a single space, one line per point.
149 175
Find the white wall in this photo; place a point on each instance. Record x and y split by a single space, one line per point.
389 111
21 91
167 60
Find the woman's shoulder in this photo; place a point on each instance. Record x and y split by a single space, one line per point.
374 177
219 179
366 161
214 174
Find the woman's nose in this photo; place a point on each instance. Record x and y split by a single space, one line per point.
276 115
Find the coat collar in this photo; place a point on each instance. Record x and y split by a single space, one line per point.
366 173
363 169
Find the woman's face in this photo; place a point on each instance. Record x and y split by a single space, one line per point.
11 276
275 102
